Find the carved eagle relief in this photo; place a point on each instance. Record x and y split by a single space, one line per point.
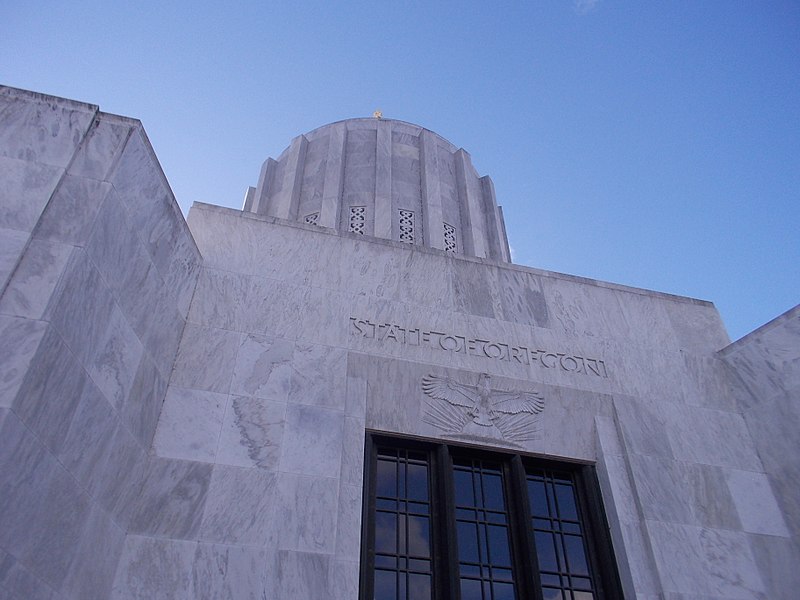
513 413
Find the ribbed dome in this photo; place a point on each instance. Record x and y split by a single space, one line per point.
387 179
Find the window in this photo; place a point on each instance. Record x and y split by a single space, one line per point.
450 522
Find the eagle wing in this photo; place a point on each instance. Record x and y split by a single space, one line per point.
512 403
444 388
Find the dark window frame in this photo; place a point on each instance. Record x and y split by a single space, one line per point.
444 552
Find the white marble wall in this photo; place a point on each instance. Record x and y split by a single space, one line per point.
765 374
94 299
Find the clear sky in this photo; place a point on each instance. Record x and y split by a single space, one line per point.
653 144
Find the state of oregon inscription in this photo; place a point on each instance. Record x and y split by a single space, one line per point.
472 346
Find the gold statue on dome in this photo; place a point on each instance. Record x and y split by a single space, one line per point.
378 114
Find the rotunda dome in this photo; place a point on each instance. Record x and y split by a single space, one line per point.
387 179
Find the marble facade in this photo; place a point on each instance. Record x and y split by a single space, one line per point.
184 403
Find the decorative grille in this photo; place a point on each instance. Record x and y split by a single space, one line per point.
407 226
357 219
312 218
449 238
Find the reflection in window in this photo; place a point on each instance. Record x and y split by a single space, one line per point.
484 545
402 526
448 523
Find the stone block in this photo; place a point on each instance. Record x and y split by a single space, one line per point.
12 245
312 441
755 503
223 571
27 187
31 287
190 424
117 487
306 513
82 308
44 129
172 499
242 507
43 511
264 368
69 215
114 362
99 154
154 568
18 583
91 573
318 376
348 524
51 391
252 433
21 338
777 560
205 359
91 433
299 575
220 300
141 410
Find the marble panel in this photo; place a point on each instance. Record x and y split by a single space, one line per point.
706 382
663 488
164 330
206 358
32 285
348 524
91 573
182 275
12 245
18 583
220 299
115 361
522 298
711 437
118 484
777 560
318 376
51 391
83 307
643 427
252 433
190 424
27 187
356 403
90 436
711 501
312 440
700 561
352 472
241 507
98 155
300 575
755 503
42 509
141 410
344 579
617 488
222 571
172 498
70 213
21 338
474 291
45 129
698 327
154 568
264 368
306 513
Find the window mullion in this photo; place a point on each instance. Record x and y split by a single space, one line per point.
447 567
525 550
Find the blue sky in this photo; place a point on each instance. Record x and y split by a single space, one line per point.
653 144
